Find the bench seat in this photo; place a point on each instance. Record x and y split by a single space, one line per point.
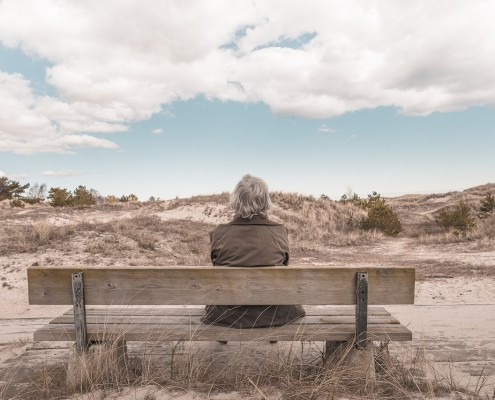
330 323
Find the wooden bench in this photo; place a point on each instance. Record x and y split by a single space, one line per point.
356 296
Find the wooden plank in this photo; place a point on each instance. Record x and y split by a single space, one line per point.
361 309
151 332
158 311
195 319
221 285
15 329
82 343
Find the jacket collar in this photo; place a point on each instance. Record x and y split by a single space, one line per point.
255 220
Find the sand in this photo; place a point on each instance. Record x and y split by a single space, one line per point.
453 319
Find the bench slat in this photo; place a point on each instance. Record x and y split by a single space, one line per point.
220 285
195 319
157 311
153 332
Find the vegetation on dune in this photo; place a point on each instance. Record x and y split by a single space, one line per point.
144 238
458 218
487 206
12 190
315 223
380 215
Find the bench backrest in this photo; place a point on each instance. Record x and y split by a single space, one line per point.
179 285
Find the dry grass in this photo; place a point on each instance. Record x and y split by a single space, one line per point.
222 198
28 238
286 372
484 233
315 224
158 242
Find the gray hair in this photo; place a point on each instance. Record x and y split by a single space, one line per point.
250 197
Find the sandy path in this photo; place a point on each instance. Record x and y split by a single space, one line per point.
453 319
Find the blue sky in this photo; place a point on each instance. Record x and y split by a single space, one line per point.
172 109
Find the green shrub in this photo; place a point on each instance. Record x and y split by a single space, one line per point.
458 218
131 197
487 205
59 197
17 203
82 197
380 215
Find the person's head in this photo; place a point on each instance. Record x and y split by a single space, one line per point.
250 197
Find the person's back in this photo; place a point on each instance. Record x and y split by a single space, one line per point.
250 240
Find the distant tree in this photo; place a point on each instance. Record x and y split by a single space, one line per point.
82 197
59 197
131 197
350 197
36 194
487 205
4 188
10 189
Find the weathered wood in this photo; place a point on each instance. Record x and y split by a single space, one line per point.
79 312
361 309
154 332
221 285
158 311
195 319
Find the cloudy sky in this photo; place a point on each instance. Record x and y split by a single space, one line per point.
171 98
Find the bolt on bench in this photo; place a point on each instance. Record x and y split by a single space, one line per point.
354 297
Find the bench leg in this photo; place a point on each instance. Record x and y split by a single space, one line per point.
333 348
360 361
102 362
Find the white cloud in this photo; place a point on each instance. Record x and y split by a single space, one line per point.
61 173
325 128
420 56
20 176
157 131
30 124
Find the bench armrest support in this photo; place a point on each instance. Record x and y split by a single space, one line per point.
361 309
79 313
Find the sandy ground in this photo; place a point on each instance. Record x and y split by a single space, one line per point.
453 319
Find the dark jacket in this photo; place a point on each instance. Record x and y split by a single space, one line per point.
250 243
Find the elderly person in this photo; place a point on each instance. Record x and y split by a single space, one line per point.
250 240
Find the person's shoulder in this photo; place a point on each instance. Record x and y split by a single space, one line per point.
255 220
220 228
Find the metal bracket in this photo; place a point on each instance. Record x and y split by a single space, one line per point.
82 343
361 309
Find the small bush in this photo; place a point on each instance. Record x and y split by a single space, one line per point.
459 218
487 205
380 215
17 203
82 197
